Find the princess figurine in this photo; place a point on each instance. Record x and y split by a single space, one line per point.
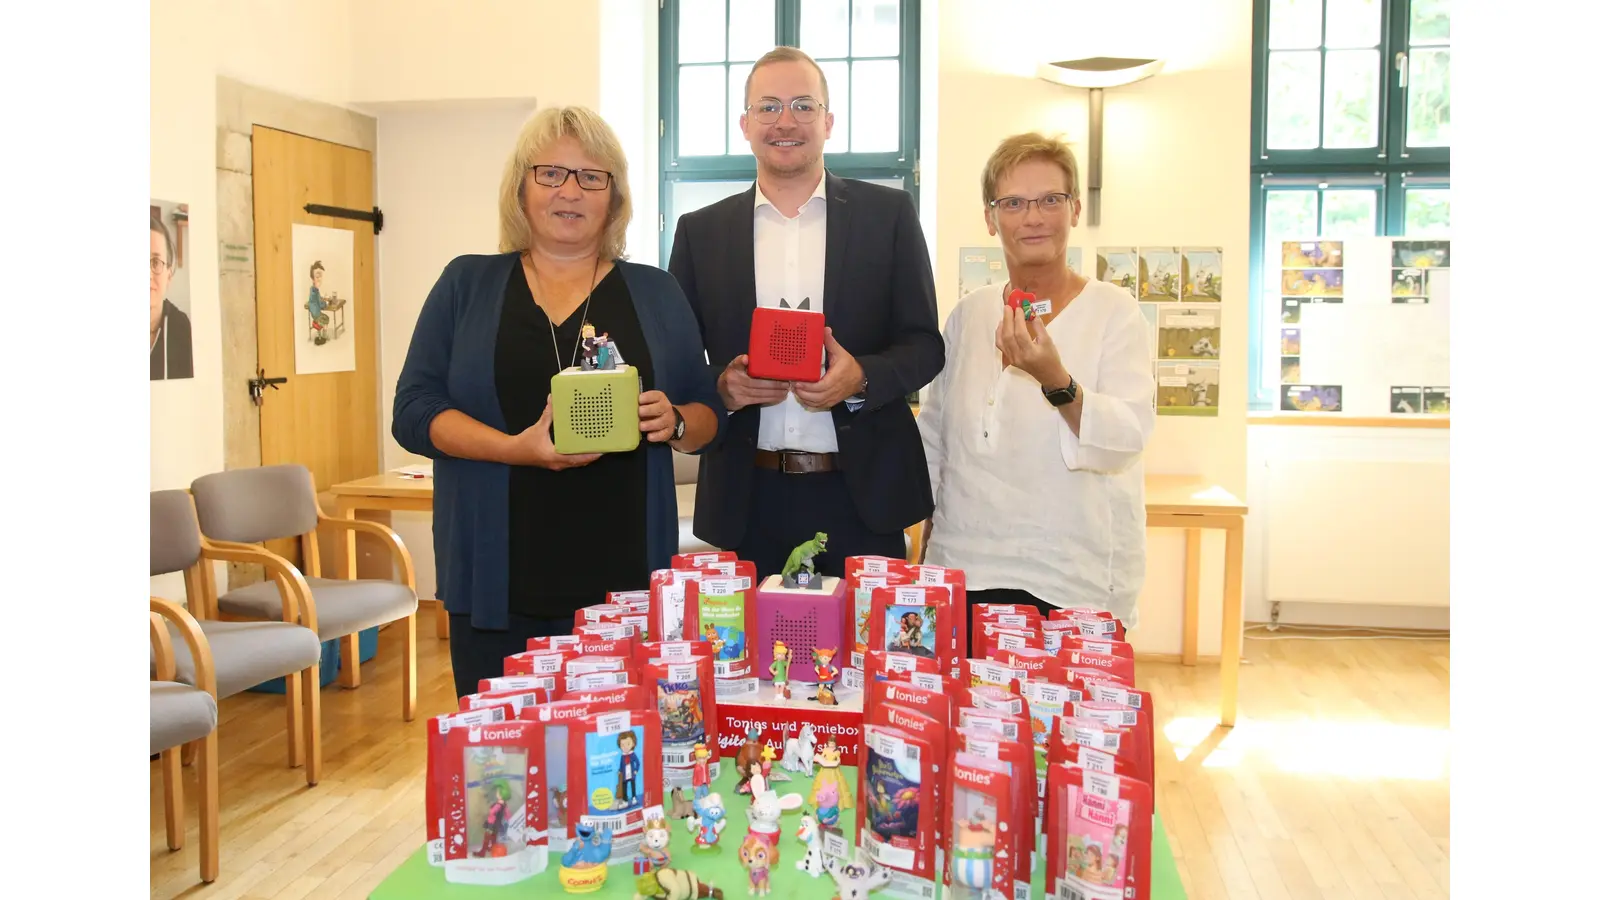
758 857
827 763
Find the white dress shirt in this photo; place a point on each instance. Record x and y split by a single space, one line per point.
790 256
1019 500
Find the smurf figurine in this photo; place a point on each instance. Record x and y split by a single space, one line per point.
701 780
827 676
710 819
780 669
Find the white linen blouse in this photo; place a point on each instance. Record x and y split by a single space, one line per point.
1019 500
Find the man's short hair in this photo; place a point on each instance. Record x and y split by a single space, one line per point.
317 267
786 54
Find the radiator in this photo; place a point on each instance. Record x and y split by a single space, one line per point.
1357 531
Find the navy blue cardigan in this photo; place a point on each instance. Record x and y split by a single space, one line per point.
450 365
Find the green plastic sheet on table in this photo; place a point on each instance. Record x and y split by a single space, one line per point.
416 880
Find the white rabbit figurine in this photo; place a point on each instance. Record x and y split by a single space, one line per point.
765 812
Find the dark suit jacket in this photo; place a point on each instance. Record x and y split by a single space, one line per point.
879 300
173 354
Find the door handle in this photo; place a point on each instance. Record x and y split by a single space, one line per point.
260 383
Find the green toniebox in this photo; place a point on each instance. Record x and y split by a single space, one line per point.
595 410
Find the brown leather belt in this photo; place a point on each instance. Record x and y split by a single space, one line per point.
795 462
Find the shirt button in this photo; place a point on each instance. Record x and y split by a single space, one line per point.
991 401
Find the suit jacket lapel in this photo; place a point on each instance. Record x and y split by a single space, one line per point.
836 264
741 249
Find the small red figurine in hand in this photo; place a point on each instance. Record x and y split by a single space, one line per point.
1020 299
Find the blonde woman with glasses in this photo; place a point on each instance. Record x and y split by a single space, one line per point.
1035 430
523 535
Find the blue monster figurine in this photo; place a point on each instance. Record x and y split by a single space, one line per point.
591 847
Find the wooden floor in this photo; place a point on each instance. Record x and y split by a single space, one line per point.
1335 782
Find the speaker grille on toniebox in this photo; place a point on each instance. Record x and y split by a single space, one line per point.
593 414
787 344
799 633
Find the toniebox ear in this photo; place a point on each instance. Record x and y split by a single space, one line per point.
804 304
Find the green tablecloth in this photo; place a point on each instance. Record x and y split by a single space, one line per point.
416 880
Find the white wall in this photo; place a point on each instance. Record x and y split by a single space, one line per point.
300 48
1175 171
438 180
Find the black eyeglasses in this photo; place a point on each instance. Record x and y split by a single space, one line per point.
556 176
1049 203
770 109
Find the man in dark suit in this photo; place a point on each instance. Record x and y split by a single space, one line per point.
843 455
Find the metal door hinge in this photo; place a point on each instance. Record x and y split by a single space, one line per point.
661 222
661 128
916 168
375 216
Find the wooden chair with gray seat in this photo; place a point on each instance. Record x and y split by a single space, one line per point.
182 714
241 508
245 654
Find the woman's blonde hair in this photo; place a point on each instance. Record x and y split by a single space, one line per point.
1018 149
598 142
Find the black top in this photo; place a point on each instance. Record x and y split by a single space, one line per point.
579 532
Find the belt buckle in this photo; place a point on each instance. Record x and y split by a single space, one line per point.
783 463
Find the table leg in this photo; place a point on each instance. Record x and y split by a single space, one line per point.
1232 624
1191 595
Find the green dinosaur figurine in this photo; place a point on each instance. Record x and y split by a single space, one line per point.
800 559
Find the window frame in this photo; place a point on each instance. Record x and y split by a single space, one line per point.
904 164
1276 170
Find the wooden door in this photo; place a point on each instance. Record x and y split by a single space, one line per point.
327 421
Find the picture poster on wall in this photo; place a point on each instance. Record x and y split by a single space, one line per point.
1170 283
323 307
1363 325
984 266
171 338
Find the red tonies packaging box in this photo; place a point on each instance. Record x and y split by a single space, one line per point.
516 698
674 596
981 857
956 580
881 665
494 792
915 619
1139 724
544 663
1027 786
434 780
899 794
976 673
612 774
725 616
989 618
635 621
862 576
671 651
1095 746
1120 668
932 702
1035 664
1098 646
703 558
557 718
1091 622
1100 827
686 704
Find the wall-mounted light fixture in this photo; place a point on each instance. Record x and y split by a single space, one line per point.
1097 73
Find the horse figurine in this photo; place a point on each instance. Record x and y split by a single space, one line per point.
798 751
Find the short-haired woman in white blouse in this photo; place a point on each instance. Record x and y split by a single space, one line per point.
1034 431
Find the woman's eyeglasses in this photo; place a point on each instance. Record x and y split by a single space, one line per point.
556 176
157 265
1049 203
769 109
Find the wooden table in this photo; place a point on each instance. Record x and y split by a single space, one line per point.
1194 504
1171 501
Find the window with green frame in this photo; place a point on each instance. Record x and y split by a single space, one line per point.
1350 117
868 49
